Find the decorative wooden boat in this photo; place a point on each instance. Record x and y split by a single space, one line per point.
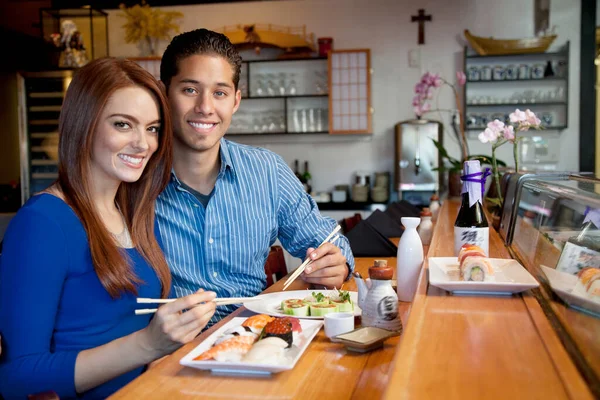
491 46
290 39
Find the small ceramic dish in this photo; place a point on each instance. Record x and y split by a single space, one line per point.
364 339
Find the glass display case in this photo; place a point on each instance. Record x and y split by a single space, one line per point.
91 24
40 100
555 236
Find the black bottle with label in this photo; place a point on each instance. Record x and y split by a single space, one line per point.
471 225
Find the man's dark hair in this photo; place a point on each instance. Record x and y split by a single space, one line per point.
198 42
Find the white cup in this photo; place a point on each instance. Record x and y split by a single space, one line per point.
338 323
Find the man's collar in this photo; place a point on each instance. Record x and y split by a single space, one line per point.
225 157
225 161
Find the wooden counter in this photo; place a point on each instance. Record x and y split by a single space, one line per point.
326 370
453 347
474 347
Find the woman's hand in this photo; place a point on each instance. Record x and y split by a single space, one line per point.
171 327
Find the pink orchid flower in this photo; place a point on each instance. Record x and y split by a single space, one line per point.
489 135
421 88
496 125
518 116
532 119
509 132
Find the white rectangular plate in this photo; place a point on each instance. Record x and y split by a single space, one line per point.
509 277
563 285
309 330
270 303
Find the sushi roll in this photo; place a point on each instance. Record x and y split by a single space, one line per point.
319 310
316 298
257 322
288 302
470 250
230 350
476 269
296 309
280 328
589 282
342 300
296 327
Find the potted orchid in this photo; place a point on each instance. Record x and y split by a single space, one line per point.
424 93
498 134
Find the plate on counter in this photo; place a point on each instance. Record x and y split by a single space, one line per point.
509 277
270 303
564 284
291 355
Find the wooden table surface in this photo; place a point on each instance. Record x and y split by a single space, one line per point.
326 370
475 347
453 347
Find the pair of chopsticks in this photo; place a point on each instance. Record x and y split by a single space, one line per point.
308 261
225 301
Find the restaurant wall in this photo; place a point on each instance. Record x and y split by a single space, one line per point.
384 26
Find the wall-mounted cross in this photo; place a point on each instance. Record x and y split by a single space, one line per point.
421 18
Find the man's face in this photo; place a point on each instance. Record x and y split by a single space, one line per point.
203 99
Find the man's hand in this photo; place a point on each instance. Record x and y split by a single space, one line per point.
328 267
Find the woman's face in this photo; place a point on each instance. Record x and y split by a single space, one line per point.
126 137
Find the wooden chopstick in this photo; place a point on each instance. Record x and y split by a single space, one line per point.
306 262
223 301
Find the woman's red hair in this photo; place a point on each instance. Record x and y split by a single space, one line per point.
86 97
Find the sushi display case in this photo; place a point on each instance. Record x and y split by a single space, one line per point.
552 228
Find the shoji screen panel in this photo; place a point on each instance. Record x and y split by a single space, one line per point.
350 92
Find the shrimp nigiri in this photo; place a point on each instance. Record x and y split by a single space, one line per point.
229 350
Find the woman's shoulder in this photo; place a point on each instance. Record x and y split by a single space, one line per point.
45 208
47 203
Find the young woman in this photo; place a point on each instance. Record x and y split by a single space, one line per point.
76 256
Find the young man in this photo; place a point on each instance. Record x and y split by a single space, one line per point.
226 203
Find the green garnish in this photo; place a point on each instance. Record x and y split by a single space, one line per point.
318 296
344 295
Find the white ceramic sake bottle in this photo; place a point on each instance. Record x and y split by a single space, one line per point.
410 259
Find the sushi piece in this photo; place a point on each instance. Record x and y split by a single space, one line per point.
270 351
230 350
342 300
319 310
289 302
297 309
476 269
296 327
257 322
470 250
589 281
316 298
281 328
237 331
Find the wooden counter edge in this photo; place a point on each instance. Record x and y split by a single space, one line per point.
572 380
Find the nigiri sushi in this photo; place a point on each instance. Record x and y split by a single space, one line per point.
230 350
257 322
237 331
476 269
270 350
281 328
589 282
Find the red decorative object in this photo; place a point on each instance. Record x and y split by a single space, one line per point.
325 45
